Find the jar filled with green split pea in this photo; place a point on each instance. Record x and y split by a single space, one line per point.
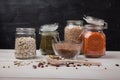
48 34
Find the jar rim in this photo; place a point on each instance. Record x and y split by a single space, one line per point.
94 27
77 22
25 29
49 33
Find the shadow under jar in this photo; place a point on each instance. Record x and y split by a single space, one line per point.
25 43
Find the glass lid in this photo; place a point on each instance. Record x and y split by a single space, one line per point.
95 21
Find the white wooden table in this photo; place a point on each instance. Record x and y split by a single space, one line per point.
108 70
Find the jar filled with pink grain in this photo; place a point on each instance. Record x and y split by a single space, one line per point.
73 31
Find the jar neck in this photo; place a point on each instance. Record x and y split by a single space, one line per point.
94 28
49 33
75 22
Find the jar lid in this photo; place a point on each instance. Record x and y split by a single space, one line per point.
49 27
95 21
25 30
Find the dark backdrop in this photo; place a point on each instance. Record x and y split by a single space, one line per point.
34 13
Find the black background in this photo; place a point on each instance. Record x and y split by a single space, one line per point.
34 13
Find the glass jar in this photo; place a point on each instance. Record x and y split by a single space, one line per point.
25 43
73 31
94 41
46 42
48 34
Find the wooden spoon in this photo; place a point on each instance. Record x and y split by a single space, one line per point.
56 60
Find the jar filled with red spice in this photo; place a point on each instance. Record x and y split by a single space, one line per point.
94 39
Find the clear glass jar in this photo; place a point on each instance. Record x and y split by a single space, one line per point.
25 43
94 41
48 34
73 31
46 42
